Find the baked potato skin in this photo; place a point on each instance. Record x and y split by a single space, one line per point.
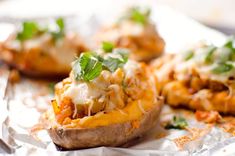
111 135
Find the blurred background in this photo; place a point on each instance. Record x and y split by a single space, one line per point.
218 14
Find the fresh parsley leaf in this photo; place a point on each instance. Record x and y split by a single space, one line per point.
87 67
51 87
60 23
177 123
209 55
222 68
107 46
113 63
29 30
124 53
137 14
189 55
57 35
230 44
60 32
225 55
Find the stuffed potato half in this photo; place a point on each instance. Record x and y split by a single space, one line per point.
202 78
42 51
135 31
110 107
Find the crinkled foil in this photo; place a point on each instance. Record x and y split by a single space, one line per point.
23 103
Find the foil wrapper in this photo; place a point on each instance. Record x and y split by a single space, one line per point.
23 103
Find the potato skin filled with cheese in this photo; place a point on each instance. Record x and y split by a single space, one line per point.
140 36
202 78
43 53
114 107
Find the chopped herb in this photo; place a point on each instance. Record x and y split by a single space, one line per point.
87 67
189 55
123 52
60 32
225 55
177 123
60 23
113 64
210 51
230 44
51 87
138 15
29 30
107 46
222 68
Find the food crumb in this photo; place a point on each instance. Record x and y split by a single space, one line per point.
194 133
208 116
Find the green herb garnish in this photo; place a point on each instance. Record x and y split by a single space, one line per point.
107 46
123 52
177 123
222 68
51 87
29 30
210 51
230 44
113 64
138 15
189 55
89 65
60 32
60 23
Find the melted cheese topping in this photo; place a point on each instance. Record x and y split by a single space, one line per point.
84 93
130 67
197 63
62 50
125 28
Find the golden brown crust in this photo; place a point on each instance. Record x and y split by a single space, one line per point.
111 135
